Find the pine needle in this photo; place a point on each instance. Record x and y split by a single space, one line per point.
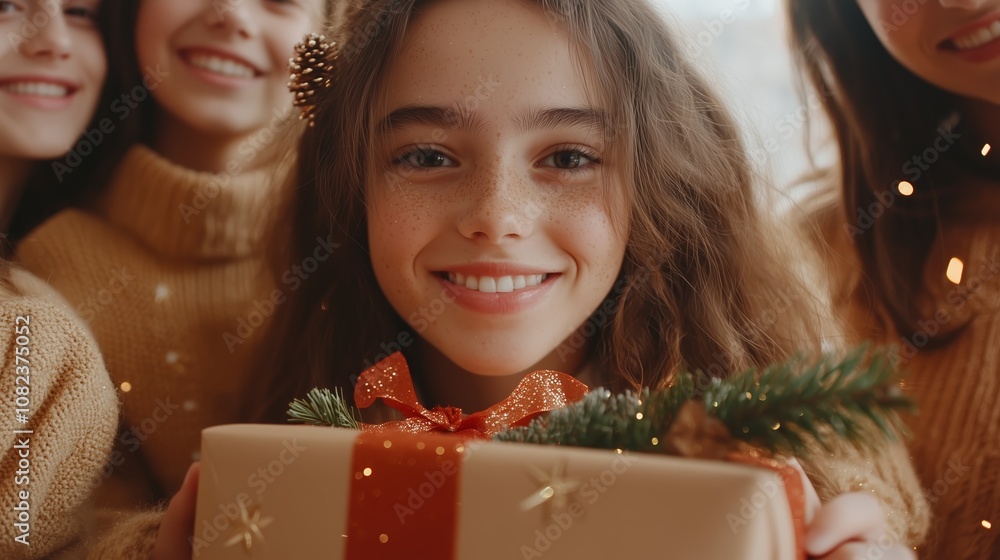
324 408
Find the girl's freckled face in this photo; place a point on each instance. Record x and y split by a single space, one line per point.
491 221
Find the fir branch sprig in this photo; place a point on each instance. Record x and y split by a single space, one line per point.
602 420
788 404
324 408
778 409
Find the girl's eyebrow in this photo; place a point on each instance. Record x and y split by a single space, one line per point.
461 118
540 119
443 117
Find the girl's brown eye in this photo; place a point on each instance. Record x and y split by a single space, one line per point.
571 160
424 158
567 160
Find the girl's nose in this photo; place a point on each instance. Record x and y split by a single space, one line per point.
234 17
51 40
500 208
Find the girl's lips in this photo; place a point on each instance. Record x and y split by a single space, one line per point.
977 42
496 284
218 67
971 29
42 92
513 301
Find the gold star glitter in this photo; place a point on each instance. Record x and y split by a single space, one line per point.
248 526
555 491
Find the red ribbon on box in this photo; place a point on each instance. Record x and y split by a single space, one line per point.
389 380
403 468
404 497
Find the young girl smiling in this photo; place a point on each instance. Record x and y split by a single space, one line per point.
910 227
518 166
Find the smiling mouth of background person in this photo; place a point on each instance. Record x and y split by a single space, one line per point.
219 64
38 88
973 39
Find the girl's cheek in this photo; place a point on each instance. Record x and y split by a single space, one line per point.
390 215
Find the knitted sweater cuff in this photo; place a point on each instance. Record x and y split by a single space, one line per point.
131 538
887 474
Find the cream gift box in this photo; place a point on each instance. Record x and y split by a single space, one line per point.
290 492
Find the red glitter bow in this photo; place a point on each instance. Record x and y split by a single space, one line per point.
539 391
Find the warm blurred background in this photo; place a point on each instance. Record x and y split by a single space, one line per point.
744 44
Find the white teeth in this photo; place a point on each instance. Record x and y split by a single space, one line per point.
978 37
492 285
41 89
223 66
488 285
505 284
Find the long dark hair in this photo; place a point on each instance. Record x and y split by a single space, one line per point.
76 179
882 116
701 277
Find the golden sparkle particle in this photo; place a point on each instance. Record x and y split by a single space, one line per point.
161 293
905 188
954 272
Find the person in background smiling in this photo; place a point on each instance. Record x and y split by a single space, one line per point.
910 227
60 408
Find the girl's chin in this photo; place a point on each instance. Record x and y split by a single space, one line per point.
497 367
492 370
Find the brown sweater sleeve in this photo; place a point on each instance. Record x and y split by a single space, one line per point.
131 537
71 412
887 473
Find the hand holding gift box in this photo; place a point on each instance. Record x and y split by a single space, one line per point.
387 492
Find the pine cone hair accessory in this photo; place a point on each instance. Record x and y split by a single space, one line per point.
312 70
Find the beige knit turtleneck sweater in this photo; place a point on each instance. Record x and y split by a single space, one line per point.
170 275
956 434
51 466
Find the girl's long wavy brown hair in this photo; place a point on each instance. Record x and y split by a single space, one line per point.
703 284
882 116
